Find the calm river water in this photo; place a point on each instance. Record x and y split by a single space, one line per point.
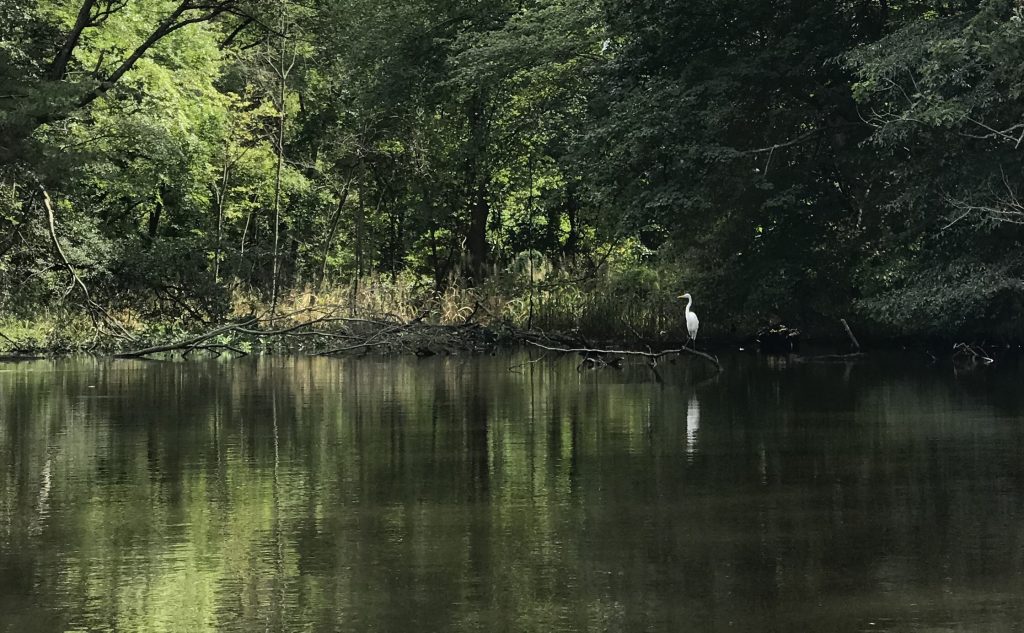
485 494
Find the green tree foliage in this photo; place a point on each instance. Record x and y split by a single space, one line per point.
729 138
943 96
787 160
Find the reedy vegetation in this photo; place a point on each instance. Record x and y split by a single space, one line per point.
567 164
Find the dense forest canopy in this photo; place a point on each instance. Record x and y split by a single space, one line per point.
792 160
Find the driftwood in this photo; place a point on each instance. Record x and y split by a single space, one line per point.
323 324
652 357
320 330
971 353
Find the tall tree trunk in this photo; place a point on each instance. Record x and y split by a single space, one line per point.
277 194
222 194
290 266
476 242
360 214
398 240
329 242
360 221
572 211
435 258
283 69
245 233
479 209
156 212
59 67
553 230
532 243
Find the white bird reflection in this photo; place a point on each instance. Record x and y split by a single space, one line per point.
692 425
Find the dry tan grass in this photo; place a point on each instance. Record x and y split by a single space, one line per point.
609 306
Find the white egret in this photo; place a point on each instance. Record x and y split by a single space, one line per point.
692 322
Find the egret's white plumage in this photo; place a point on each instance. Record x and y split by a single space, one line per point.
692 322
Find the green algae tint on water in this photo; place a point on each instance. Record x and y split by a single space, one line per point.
495 494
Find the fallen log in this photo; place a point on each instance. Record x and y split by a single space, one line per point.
250 327
354 334
829 358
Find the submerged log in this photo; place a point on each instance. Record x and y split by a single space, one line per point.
18 358
829 358
596 361
855 355
650 356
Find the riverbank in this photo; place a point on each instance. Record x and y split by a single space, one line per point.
326 330
381 316
333 330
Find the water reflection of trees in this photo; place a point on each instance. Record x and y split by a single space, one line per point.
452 494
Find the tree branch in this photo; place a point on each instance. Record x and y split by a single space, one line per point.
230 39
59 66
52 226
806 136
95 308
192 342
168 25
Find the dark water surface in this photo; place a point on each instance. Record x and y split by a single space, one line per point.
456 495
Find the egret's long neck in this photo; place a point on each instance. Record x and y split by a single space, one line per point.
689 300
